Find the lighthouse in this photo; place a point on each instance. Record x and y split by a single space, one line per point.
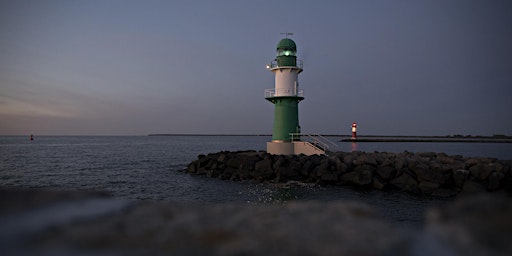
354 131
286 96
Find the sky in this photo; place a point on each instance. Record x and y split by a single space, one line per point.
396 67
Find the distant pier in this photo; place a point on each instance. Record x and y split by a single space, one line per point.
472 139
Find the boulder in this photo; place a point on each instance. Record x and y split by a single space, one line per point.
365 159
400 162
425 173
192 167
306 169
323 168
378 183
460 176
329 177
263 169
495 180
405 182
339 165
289 172
362 175
386 172
234 163
481 171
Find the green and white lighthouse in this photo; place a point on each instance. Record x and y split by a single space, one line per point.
285 96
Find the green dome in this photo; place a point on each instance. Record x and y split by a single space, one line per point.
287 44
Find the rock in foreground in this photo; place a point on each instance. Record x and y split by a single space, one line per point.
470 226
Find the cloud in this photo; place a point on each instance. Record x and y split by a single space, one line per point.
15 107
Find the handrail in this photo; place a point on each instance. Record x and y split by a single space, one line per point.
315 139
325 140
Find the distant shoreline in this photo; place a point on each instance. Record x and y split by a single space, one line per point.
385 138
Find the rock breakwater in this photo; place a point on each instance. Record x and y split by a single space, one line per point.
427 173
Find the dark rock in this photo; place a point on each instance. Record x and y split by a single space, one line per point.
222 158
213 173
386 172
365 159
204 161
329 177
323 168
233 163
477 160
249 160
421 170
315 159
341 167
306 169
348 160
425 173
429 155
387 162
378 183
495 180
340 155
481 171
440 167
228 173
192 167
460 176
263 169
280 162
286 173
362 175
400 162
405 182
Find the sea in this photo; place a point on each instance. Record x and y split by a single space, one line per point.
152 168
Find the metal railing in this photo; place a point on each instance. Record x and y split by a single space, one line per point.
316 140
288 92
273 64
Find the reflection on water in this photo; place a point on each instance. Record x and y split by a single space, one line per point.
353 146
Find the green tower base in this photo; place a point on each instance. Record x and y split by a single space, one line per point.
286 117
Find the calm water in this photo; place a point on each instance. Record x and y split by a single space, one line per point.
149 167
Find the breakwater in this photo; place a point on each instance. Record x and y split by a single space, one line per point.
427 173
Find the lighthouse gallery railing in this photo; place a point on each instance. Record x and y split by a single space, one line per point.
284 92
273 64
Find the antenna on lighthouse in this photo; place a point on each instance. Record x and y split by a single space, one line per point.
286 34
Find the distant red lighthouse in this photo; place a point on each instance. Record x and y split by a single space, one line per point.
354 130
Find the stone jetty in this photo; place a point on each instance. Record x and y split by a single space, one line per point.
427 173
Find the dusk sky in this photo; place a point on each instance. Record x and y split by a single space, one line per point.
433 67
